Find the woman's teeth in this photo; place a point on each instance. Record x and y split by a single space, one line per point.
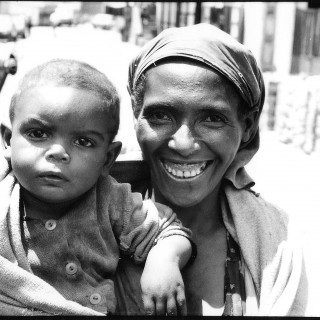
185 170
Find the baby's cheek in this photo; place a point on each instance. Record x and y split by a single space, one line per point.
21 173
87 169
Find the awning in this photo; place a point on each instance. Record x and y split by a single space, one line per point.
116 5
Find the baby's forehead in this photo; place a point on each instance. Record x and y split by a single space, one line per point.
48 87
54 93
61 101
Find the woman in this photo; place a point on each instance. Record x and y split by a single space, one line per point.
197 95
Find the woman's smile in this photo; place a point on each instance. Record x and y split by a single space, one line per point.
185 170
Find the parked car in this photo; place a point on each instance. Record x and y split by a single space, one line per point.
7 66
7 28
20 24
62 16
103 21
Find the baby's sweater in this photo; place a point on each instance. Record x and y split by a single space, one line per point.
78 254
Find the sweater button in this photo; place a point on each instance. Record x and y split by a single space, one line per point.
71 268
95 298
50 225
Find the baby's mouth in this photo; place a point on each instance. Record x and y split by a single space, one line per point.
184 170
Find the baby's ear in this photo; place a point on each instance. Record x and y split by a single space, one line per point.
6 134
112 154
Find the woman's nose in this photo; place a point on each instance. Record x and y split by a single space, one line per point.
184 142
57 153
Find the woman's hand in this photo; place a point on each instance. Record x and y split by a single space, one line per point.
163 289
161 281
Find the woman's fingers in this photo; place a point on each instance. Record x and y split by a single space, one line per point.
181 302
172 307
154 306
176 305
149 305
161 307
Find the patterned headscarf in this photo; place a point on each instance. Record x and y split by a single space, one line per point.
221 52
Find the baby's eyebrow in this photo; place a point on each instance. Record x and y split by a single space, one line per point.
35 121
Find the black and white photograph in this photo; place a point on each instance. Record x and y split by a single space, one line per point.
159 159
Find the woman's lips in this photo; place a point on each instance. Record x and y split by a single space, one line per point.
184 170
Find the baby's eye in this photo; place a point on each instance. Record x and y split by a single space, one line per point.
37 134
84 142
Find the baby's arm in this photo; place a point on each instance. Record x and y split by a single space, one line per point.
161 282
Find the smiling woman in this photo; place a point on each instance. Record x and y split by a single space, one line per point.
197 96
189 129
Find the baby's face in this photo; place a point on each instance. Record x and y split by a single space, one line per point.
59 143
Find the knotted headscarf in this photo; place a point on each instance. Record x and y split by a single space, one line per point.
221 52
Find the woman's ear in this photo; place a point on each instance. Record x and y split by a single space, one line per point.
133 104
6 134
249 125
133 101
135 121
112 154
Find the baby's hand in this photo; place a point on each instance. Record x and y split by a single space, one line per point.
163 289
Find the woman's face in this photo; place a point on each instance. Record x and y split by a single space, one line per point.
189 130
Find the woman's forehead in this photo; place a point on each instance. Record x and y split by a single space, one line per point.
192 86
187 73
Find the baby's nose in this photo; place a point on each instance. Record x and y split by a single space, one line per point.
58 153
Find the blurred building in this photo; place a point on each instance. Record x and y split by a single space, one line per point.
38 12
284 36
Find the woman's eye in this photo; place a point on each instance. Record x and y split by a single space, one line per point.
84 142
37 134
214 118
157 116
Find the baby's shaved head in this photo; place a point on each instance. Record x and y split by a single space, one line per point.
75 74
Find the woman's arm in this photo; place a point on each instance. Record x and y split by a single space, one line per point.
152 233
161 282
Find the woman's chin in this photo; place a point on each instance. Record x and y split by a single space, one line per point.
178 198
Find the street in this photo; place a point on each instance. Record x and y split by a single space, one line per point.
285 175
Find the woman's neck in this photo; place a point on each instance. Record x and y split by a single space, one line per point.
204 217
39 209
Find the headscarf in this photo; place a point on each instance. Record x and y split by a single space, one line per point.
221 52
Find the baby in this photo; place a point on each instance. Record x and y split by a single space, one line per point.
64 222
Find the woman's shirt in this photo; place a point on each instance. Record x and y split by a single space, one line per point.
234 285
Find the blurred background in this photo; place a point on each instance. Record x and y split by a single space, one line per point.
283 36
